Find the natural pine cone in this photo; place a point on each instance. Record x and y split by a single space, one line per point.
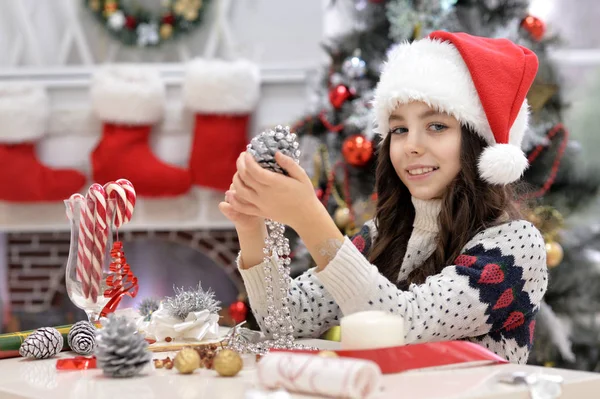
82 338
264 146
121 350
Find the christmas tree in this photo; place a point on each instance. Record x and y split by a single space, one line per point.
339 150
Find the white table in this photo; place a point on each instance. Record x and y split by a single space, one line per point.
21 378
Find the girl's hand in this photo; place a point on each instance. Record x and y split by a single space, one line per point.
241 221
290 200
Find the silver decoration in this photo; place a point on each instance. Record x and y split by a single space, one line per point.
430 15
147 307
354 67
541 386
82 338
121 351
43 343
192 300
278 320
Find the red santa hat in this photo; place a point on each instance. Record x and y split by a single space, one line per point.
482 82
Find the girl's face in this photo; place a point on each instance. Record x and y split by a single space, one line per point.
425 148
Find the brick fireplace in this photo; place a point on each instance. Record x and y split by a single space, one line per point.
37 260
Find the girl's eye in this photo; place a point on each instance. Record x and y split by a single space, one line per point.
398 130
437 127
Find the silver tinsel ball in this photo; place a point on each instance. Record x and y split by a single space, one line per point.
121 350
191 300
43 343
264 146
354 67
82 338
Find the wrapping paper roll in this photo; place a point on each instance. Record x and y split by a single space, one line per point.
316 375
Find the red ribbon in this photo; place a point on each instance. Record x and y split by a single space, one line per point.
122 281
76 363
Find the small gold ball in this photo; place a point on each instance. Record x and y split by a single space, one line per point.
554 254
341 216
187 360
328 354
228 363
166 31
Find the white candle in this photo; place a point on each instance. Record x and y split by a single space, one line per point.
372 329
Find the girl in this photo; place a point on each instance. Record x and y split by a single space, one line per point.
446 250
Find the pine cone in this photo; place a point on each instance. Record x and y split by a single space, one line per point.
42 343
82 338
121 351
264 146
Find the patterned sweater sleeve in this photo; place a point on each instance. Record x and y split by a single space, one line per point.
312 307
494 286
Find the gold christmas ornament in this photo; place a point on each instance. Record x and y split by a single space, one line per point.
554 254
166 31
95 5
110 7
228 363
190 15
540 94
342 217
187 360
328 354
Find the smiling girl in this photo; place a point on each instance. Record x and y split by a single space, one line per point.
447 249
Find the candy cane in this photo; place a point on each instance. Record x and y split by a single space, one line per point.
85 245
123 193
99 230
75 202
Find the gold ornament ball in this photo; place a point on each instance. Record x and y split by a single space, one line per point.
342 217
228 363
554 254
328 354
95 5
187 360
166 31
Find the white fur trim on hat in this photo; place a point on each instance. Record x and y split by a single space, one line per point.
433 71
502 164
128 94
24 112
221 87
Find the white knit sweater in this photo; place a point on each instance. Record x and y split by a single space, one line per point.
490 295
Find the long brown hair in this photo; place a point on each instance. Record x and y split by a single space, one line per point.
469 205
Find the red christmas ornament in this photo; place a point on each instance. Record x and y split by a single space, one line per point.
535 26
319 193
168 19
130 22
339 95
357 150
238 311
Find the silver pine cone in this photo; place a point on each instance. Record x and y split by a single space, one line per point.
121 351
82 338
43 343
264 146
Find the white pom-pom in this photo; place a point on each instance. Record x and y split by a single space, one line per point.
502 164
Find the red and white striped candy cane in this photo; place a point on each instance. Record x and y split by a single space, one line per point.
100 237
76 203
123 193
85 245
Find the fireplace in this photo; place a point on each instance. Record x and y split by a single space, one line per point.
161 260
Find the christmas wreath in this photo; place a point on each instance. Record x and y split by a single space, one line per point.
132 25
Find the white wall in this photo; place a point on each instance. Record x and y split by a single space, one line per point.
271 32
